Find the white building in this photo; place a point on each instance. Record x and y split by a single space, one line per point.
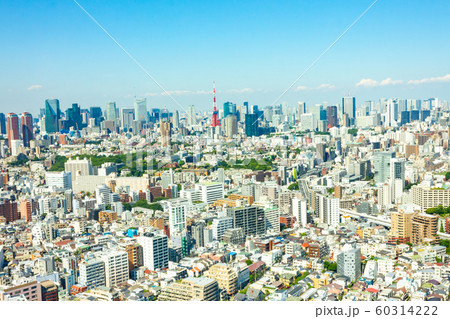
300 211
116 267
155 250
177 215
102 194
92 273
349 262
210 191
329 210
220 225
60 180
79 167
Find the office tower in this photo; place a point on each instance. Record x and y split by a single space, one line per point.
251 219
210 191
111 112
321 151
231 125
299 210
176 119
2 123
60 180
382 162
246 109
349 106
12 127
191 288
401 226
167 178
308 122
229 108
349 262
140 110
301 108
8 209
332 118
391 114
251 125
282 174
165 133
192 116
254 110
27 128
74 118
116 267
155 250
177 215
329 210
220 225
424 229
79 167
52 116
126 119
92 273
397 168
68 196
405 117
95 112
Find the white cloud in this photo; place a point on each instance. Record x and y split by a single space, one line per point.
445 78
389 81
34 87
325 86
374 83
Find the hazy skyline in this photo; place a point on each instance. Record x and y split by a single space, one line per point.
253 50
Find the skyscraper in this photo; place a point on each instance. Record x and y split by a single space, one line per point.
349 106
155 250
95 112
231 125
165 133
332 118
111 112
27 128
12 127
251 125
126 119
2 123
176 119
52 116
192 118
140 109
74 117
228 108
382 163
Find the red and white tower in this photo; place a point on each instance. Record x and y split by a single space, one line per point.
215 118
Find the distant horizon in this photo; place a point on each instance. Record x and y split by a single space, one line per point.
252 50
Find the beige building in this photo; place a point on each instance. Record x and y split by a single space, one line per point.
424 229
401 226
193 288
165 133
427 197
225 276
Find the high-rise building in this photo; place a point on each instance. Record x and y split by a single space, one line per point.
424 229
349 262
26 210
220 225
231 125
251 125
95 112
349 106
111 112
382 162
79 166
229 108
165 133
52 116
140 109
299 210
74 118
301 108
401 226
332 117
27 128
92 273
250 218
12 127
155 250
177 215
191 116
176 119
329 210
210 191
116 267
126 119
2 123
8 209
68 196
225 276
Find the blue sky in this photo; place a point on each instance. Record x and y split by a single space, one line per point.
253 50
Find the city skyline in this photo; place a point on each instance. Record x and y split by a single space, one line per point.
252 52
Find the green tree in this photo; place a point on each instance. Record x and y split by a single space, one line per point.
248 262
293 186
